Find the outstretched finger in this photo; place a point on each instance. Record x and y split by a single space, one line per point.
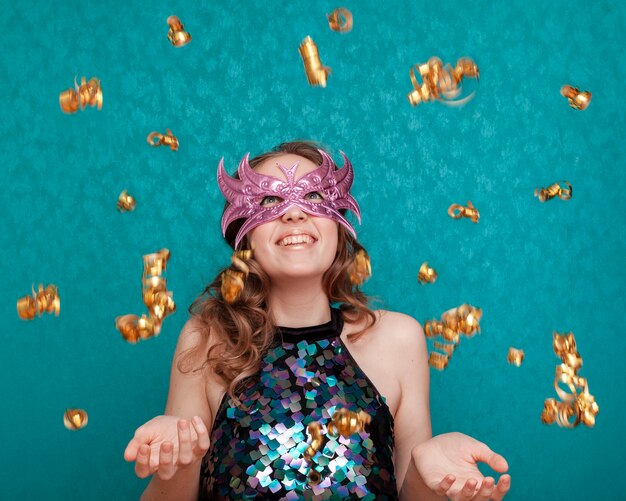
142 465
504 484
441 488
185 454
485 490
166 461
130 453
204 441
468 490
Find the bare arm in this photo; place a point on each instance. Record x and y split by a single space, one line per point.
186 398
412 424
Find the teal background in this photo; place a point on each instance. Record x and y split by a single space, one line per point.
239 86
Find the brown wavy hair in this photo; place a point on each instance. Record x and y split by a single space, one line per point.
241 332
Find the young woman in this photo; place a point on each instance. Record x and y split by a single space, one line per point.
260 382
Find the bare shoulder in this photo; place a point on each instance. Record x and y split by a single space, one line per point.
387 350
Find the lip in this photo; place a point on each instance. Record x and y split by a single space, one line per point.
295 233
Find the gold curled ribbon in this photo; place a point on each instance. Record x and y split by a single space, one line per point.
75 419
457 211
177 34
360 269
340 20
426 274
515 356
577 405
441 82
233 278
157 299
347 423
125 202
316 73
554 190
88 93
167 139
465 319
576 99
45 300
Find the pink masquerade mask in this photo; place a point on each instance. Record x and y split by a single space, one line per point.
244 195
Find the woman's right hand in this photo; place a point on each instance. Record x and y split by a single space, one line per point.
166 444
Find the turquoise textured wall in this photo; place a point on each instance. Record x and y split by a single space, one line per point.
240 86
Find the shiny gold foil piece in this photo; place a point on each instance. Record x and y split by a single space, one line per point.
233 278
125 202
88 93
457 211
360 269
340 20
441 82
75 419
577 99
43 301
515 356
577 405
167 139
426 274
438 361
316 73
314 429
26 308
463 320
554 190
347 423
314 477
156 297
177 34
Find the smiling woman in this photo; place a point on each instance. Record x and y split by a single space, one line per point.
297 389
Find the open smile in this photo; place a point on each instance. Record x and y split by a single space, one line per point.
299 240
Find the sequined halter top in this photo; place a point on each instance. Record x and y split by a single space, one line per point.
259 453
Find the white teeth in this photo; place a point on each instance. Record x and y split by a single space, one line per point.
296 239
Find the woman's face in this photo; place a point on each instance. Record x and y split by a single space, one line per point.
295 244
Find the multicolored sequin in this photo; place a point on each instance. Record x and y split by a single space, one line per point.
258 453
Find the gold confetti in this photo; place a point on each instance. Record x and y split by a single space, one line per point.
554 190
314 430
457 211
83 95
233 279
316 73
464 319
340 20
577 405
347 423
43 301
515 356
75 419
438 361
125 202
577 100
360 269
156 297
177 34
167 139
442 83
426 274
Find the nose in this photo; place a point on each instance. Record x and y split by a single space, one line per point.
294 214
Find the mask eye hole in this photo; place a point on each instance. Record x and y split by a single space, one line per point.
314 196
270 201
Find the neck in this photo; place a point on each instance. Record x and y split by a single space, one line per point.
298 304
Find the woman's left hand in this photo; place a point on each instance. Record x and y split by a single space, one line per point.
447 464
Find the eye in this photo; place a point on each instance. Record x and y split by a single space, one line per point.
314 196
270 200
